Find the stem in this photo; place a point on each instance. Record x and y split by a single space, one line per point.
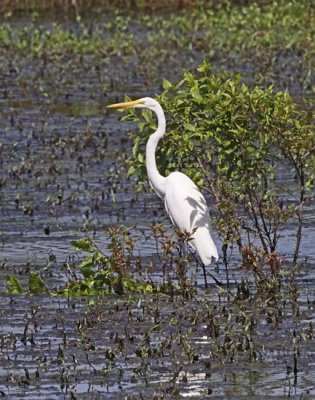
257 225
225 262
301 174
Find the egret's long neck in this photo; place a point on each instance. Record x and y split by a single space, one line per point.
156 180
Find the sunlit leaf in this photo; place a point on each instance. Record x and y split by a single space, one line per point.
84 244
166 84
13 285
36 283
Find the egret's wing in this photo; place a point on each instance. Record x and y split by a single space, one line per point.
188 210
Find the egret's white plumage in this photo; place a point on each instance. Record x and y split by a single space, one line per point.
183 201
189 212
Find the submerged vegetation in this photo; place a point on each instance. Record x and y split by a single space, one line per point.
94 282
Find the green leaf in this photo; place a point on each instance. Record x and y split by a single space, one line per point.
141 158
131 171
93 260
195 94
135 147
84 244
133 285
204 68
147 115
167 84
36 283
189 127
13 285
87 262
87 272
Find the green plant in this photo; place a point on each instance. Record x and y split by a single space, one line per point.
235 141
105 274
274 41
94 274
36 284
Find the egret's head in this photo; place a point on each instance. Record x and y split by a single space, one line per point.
145 102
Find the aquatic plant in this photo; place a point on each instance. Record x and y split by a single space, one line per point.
106 274
92 274
273 42
36 285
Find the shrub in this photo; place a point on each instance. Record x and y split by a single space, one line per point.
252 149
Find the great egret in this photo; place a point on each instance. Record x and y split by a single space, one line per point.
183 201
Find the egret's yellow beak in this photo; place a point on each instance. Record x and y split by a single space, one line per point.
126 104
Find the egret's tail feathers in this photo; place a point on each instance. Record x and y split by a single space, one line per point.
205 247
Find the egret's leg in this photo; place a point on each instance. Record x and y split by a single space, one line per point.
205 273
219 283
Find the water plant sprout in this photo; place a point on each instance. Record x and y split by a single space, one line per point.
184 203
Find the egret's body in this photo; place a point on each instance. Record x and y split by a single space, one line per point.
188 211
183 201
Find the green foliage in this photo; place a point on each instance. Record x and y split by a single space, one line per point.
84 245
234 141
36 284
13 285
95 273
59 40
265 35
102 274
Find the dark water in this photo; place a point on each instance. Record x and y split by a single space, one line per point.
58 144
54 348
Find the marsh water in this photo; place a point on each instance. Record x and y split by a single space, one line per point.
58 145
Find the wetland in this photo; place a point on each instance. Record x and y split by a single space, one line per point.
98 298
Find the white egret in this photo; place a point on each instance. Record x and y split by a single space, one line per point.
183 201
